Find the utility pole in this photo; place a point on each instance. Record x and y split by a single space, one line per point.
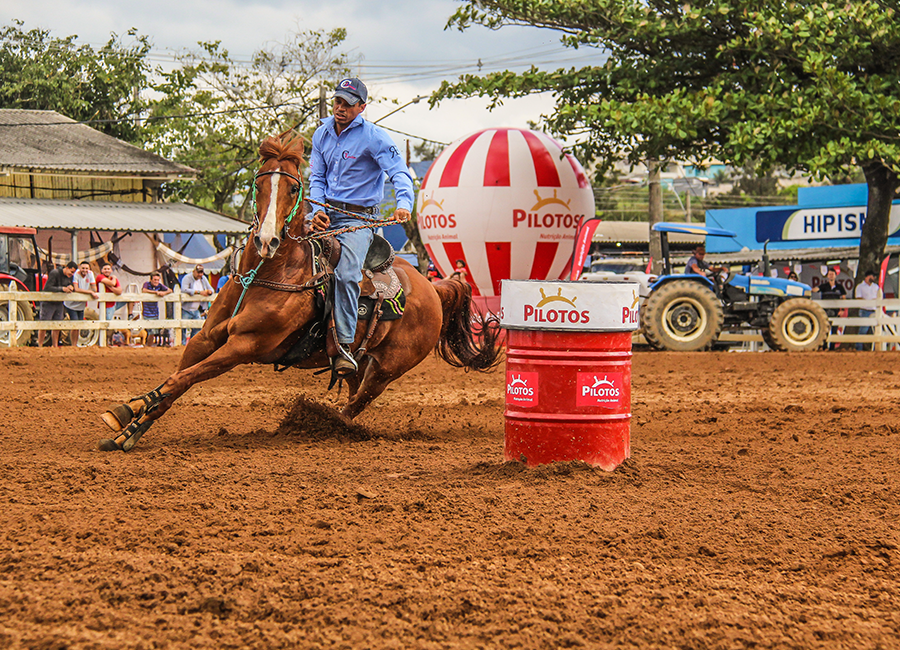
323 105
655 214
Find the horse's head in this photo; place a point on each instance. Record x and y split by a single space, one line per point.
278 191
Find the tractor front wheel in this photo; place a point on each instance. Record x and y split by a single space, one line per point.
797 325
682 315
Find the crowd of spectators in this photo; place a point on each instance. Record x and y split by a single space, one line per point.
73 278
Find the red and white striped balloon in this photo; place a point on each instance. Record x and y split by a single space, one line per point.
506 201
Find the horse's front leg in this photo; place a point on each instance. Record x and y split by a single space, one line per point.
208 340
238 349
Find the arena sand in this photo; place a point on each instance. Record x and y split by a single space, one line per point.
759 509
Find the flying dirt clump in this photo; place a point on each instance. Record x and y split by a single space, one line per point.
313 421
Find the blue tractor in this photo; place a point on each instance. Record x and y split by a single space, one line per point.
688 312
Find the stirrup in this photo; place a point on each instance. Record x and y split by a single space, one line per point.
344 363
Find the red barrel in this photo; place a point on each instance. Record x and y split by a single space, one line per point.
568 391
568 397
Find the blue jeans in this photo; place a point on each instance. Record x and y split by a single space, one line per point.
152 332
192 314
865 329
74 314
111 309
354 246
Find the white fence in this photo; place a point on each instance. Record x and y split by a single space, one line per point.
16 321
884 324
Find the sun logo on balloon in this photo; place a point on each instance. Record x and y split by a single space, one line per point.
557 298
554 200
428 202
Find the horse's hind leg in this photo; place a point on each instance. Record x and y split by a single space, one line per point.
375 378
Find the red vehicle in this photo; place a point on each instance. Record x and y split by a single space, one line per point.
20 266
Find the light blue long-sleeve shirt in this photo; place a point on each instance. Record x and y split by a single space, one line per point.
350 167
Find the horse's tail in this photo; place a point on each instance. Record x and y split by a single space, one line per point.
462 328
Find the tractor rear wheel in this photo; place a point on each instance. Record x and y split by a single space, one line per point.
798 325
682 315
24 312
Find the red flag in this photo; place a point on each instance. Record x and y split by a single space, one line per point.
583 239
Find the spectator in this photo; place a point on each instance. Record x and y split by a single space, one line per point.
59 281
222 282
150 310
831 289
84 283
793 276
460 272
867 290
194 284
112 285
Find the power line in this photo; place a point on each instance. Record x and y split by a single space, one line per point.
151 118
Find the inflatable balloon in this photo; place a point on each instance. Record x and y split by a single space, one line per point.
508 203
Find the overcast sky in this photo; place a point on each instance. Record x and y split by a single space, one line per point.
403 46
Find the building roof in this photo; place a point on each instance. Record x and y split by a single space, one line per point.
115 216
636 232
794 254
51 142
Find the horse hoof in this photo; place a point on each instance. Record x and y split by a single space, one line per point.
118 418
108 445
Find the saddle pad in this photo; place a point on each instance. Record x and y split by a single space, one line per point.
391 308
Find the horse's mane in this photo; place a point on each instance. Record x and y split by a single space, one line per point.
282 147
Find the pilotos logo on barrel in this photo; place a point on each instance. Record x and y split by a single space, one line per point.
548 310
522 388
600 389
631 315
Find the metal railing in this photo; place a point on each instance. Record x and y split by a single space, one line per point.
16 325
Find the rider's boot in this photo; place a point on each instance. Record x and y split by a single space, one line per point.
343 363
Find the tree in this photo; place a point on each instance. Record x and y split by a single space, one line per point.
213 112
810 86
42 73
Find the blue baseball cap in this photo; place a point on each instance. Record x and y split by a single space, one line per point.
352 91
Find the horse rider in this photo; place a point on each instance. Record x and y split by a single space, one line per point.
349 159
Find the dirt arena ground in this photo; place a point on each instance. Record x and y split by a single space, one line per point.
759 510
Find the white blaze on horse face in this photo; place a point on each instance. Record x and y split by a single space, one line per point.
269 225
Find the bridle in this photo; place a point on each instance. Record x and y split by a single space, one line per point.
293 213
319 265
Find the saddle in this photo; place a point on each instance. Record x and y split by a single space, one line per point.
382 298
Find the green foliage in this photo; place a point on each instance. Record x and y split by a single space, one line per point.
427 150
212 113
38 72
807 85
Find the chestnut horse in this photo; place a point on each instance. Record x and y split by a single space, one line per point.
269 304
